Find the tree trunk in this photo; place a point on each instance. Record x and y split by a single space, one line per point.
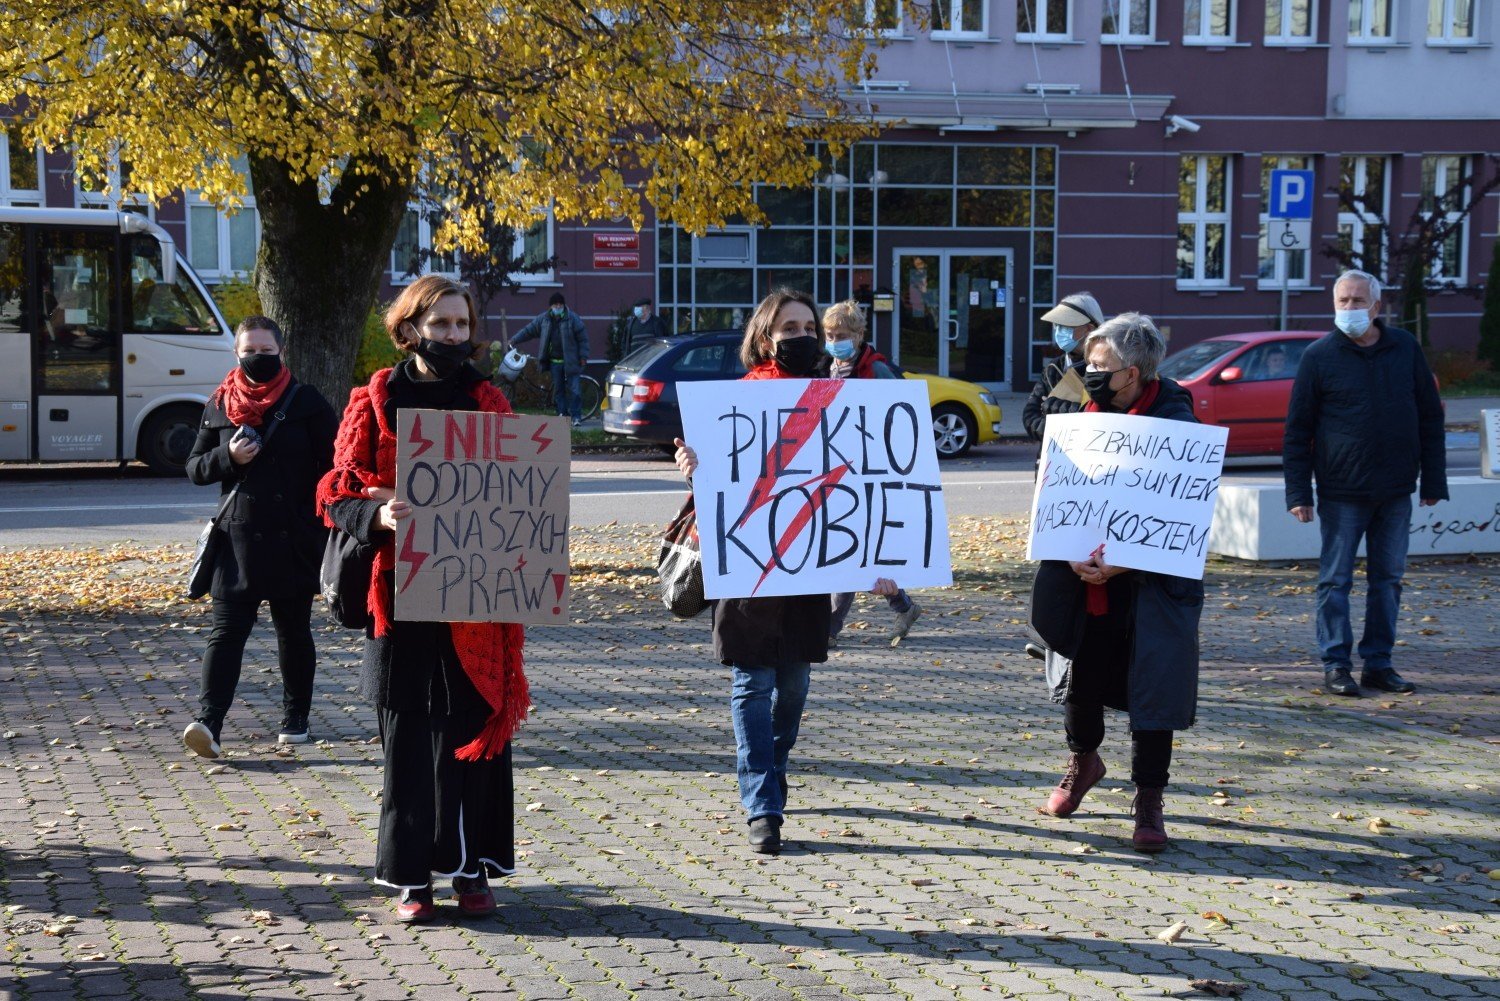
320 266
1413 308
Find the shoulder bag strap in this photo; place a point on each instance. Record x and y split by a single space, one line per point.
279 414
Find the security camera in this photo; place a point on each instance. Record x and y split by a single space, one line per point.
1177 124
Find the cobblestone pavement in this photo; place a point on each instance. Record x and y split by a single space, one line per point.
917 864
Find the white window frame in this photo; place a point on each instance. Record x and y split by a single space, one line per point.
1447 37
223 269
19 197
397 270
955 12
893 32
1278 260
1200 219
1205 8
86 199
1287 7
1044 35
1441 183
1123 17
1362 35
1357 220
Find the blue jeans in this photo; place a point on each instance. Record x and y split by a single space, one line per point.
565 392
766 704
1386 529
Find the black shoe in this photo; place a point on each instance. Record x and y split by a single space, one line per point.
293 729
1340 682
781 781
1032 650
1386 681
765 835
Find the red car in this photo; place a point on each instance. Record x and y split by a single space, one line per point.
1243 382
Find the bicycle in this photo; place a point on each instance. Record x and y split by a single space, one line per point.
513 367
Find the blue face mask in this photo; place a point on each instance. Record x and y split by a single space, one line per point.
842 350
1065 338
559 310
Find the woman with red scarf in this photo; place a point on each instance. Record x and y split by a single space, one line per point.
1125 639
273 538
449 696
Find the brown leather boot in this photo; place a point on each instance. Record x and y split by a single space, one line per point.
1150 830
1084 772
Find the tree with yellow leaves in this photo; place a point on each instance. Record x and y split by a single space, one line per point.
349 110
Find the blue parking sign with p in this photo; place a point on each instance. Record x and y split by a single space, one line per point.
1291 194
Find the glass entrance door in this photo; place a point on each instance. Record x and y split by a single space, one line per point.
952 313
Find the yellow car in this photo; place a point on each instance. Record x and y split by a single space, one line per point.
964 414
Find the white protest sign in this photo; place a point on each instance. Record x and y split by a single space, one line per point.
1143 487
815 486
1489 443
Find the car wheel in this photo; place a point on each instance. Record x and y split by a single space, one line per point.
167 439
954 429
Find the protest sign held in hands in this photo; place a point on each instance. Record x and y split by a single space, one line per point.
1143 487
487 540
815 486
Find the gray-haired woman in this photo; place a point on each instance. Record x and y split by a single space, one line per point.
1126 639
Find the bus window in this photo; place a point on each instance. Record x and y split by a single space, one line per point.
159 308
77 338
12 280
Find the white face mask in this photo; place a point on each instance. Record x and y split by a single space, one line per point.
1353 322
640 312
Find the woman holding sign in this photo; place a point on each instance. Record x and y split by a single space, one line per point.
1125 639
448 695
771 643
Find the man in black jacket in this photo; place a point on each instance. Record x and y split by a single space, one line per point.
645 326
1365 419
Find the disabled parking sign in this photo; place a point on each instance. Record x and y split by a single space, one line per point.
1289 209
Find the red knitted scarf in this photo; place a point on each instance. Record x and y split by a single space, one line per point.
1098 594
246 402
490 652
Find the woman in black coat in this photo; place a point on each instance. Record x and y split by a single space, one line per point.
273 539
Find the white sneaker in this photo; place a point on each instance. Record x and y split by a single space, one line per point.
905 620
199 739
293 730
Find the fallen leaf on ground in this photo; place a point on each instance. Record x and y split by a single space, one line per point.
1218 988
1216 916
1172 934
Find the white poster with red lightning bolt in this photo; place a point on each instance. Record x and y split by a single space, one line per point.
487 538
815 486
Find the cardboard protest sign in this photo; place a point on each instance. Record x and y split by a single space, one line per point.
487 540
1143 487
815 486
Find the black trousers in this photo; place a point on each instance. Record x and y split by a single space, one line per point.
1100 677
438 815
232 621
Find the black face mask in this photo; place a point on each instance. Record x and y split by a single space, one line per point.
799 355
1097 384
260 367
444 359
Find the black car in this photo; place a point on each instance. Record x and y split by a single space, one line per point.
640 392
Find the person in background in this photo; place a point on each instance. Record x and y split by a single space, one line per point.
1073 319
770 644
448 696
1365 422
645 326
850 357
274 537
1125 639
564 348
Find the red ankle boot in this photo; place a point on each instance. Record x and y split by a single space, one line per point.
1084 772
1150 829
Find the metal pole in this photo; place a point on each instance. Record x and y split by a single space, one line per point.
1285 280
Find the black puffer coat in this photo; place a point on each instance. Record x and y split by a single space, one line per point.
1365 422
275 539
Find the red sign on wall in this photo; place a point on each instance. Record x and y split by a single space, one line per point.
610 260
617 241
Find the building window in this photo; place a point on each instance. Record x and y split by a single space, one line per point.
1362 204
884 16
1371 20
94 191
960 17
1203 220
1129 20
1209 21
1049 19
1277 267
1444 187
1290 22
1450 20
412 254
222 245
20 172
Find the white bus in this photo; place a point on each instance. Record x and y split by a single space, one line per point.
109 344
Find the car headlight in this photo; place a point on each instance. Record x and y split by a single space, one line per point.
988 399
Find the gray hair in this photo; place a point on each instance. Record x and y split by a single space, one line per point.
1134 340
1353 274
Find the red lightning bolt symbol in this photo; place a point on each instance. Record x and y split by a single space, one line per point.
417 436
542 440
803 517
815 399
410 555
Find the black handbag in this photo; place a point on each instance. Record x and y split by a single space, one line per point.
344 578
679 565
201 573
1057 610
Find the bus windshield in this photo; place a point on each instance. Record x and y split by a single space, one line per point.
160 308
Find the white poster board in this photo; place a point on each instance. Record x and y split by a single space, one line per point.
815 486
1142 487
1489 444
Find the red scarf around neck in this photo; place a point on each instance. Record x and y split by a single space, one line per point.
246 402
1098 594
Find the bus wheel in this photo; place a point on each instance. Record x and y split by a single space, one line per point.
167 439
